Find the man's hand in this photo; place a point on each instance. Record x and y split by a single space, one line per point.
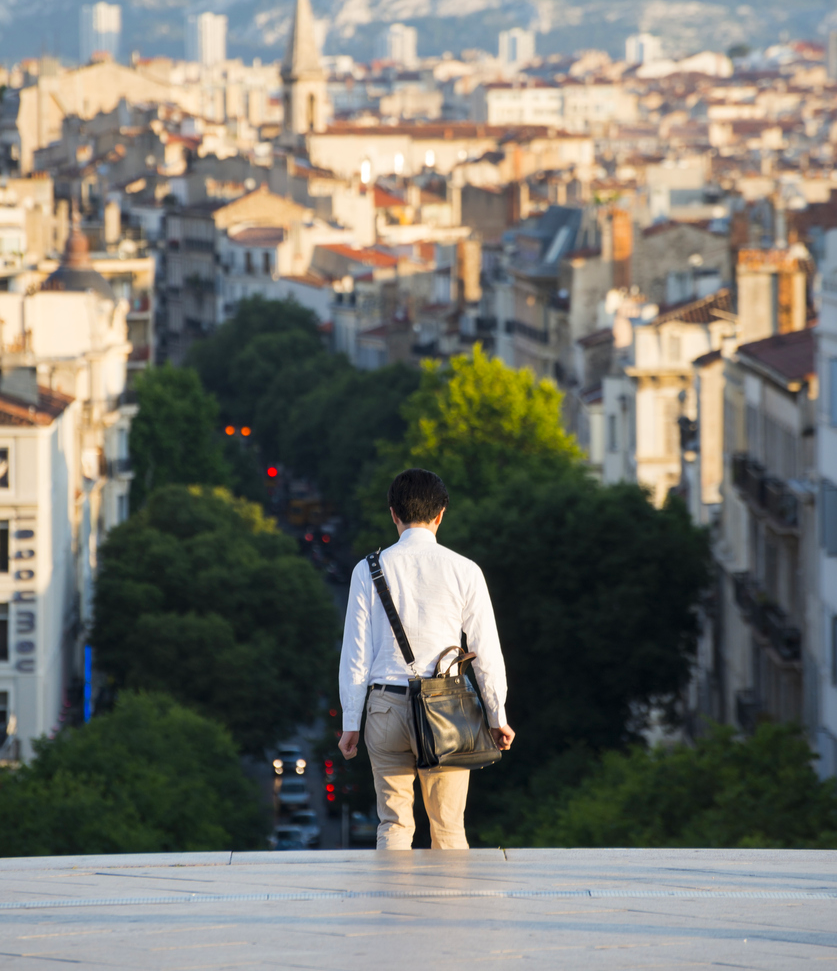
503 737
348 744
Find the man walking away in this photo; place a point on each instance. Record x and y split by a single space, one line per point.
438 595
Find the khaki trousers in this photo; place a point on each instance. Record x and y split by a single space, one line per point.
392 752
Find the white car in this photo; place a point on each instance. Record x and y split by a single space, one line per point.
293 793
306 820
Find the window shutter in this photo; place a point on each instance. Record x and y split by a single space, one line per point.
828 517
832 390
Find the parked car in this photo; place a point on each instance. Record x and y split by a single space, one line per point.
307 821
293 793
287 838
363 827
287 760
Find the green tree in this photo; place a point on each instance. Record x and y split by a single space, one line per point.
725 792
594 591
474 421
200 595
149 777
175 434
257 350
334 428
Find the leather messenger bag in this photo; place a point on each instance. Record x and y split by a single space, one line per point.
448 716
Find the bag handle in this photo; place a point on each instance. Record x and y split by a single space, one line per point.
380 582
462 658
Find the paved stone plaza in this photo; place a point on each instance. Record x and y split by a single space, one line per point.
590 909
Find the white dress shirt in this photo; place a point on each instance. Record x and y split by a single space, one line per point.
438 594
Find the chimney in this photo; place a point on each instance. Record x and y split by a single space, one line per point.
20 383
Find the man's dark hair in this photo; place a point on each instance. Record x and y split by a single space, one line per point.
417 496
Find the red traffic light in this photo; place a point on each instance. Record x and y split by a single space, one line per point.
273 471
245 431
230 430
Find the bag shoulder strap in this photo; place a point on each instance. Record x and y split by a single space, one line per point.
380 582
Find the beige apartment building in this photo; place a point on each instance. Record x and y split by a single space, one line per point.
767 542
64 481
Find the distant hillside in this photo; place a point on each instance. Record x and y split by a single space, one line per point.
258 27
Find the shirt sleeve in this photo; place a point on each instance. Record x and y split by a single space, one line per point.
481 630
357 652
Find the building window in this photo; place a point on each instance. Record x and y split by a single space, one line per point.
248 262
122 511
4 468
828 517
832 390
834 650
612 439
4 632
674 349
266 263
4 546
4 715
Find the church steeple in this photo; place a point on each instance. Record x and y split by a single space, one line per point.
302 59
303 78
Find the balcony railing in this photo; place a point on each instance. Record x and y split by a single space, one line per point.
536 334
764 491
767 617
780 502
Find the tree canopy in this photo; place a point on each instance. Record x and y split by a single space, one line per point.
200 595
474 421
309 409
174 436
594 591
149 777
724 792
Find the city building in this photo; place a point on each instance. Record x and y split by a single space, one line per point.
767 654
825 649
516 47
397 44
650 392
206 38
643 49
64 481
100 30
506 103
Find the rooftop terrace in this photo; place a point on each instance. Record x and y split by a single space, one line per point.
371 910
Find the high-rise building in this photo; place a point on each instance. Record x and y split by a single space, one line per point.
398 44
643 49
100 28
206 38
832 54
517 46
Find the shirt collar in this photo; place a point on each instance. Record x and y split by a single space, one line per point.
417 535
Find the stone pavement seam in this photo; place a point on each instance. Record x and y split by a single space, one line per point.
420 894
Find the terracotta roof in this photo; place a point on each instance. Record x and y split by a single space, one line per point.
259 236
367 257
788 356
50 405
696 311
386 200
